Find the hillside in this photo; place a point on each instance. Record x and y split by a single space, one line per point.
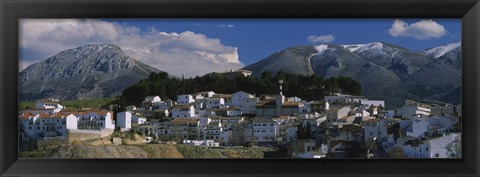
85 72
148 151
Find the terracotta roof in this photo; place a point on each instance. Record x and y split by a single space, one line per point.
62 114
290 104
268 104
221 95
224 118
44 116
179 120
25 115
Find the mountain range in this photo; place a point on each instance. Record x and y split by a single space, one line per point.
385 71
85 72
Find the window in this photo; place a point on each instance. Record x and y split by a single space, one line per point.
43 120
29 127
437 155
38 128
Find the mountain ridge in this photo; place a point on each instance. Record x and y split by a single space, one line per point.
377 66
87 71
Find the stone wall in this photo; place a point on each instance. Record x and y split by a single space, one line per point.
83 135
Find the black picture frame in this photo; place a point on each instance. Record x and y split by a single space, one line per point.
11 11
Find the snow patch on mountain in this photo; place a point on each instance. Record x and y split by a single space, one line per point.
353 47
442 50
364 47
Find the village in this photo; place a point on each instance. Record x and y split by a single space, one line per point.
340 126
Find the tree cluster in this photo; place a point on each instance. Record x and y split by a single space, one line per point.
306 87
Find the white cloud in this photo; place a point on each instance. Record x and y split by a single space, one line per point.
186 53
423 29
227 26
321 39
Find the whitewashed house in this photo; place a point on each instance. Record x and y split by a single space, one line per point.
138 119
38 126
124 120
227 98
336 112
409 110
185 99
183 111
185 129
376 103
238 96
95 120
42 111
416 149
248 105
214 102
375 130
152 99
344 98
265 130
205 94
306 107
447 146
48 104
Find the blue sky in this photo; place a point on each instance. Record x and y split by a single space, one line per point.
198 46
258 38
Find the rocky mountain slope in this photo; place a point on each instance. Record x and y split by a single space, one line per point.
385 71
89 71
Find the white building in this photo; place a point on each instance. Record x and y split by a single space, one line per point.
183 111
152 99
375 130
265 130
33 127
124 121
42 110
336 112
448 146
205 94
138 119
376 103
214 103
409 110
48 104
185 129
248 105
344 98
95 120
237 97
184 99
